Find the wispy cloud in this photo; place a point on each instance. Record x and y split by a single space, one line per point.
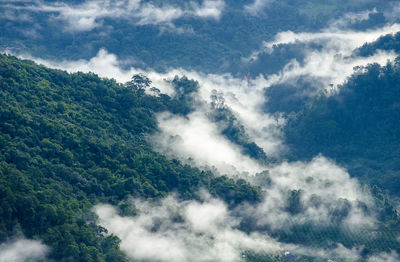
322 186
105 65
208 230
209 9
393 12
353 17
23 250
152 15
258 6
319 192
196 137
182 231
204 230
385 257
91 13
334 62
328 66
244 98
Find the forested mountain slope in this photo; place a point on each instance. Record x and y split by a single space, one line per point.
358 126
69 141
209 130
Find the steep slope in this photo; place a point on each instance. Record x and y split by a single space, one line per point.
69 141
358 126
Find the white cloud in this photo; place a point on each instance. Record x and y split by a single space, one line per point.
258 6
334 62
198 138
384 257
329 65
324 187
208 229
351 18
151 15
183 231
393 12
105 65
201 140
246 100
23 250
333 36
209 9
204 230
91 13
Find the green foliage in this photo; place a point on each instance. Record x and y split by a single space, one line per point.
185 91
232 128
69 141
387 42
358 127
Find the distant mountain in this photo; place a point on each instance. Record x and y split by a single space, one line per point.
208 35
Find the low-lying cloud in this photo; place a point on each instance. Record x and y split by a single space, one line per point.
326 68
23 250
90 14
244 98
299 193
384 257
207 230
196 137
334 61
258 6
182 231
295 193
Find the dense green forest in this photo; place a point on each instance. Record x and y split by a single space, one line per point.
358 126
69 141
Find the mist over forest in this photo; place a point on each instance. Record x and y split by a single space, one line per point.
201 130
